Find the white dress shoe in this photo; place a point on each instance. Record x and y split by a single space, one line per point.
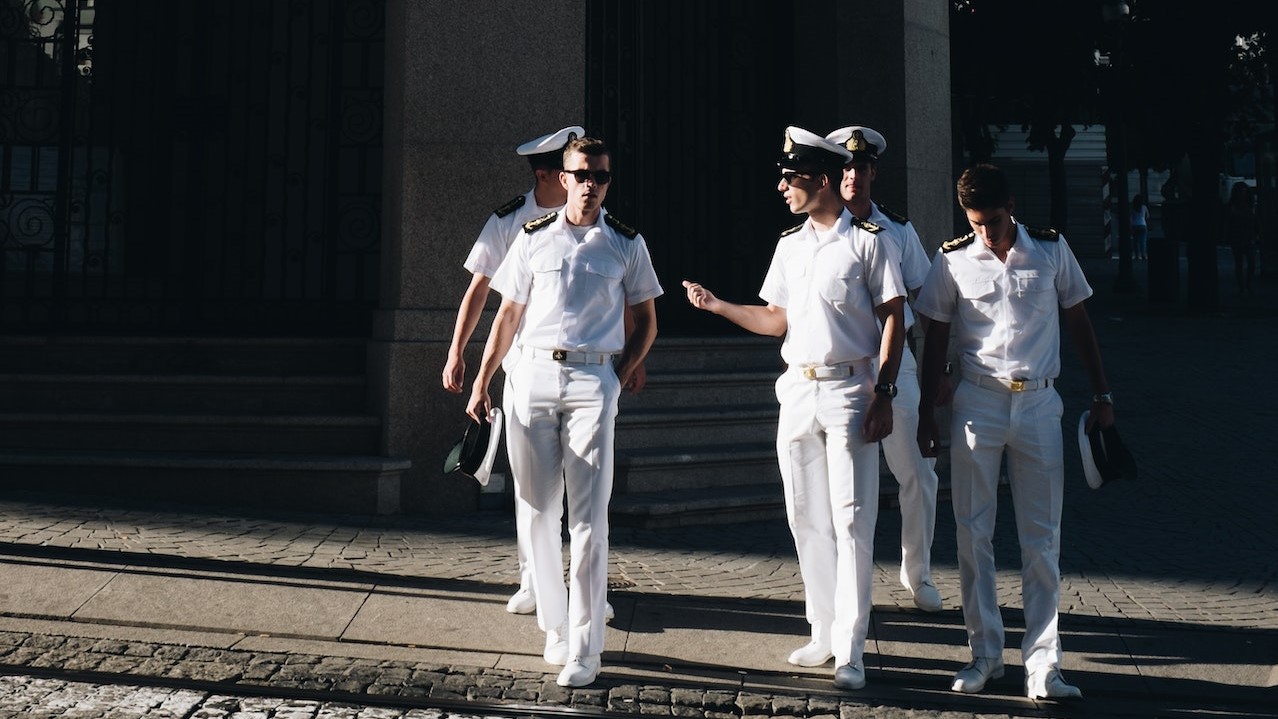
971 678
813 654
556 651
522 602
849 677
1049 684
927 598
579 672
608 613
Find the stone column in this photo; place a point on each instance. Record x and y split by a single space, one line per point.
465 84
892 71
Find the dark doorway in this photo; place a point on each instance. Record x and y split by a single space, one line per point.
693 98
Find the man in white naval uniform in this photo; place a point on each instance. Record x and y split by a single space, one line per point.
915 473
836 295
567 281
1002 289
545 157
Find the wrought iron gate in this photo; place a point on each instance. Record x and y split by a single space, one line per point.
190 167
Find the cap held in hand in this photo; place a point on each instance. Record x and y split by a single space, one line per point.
1105 457
474 453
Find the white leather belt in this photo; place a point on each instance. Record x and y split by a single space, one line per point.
571 357
1007 385
838 371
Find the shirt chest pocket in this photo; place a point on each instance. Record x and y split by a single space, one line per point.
603 269
1034 293
839 289
977 288
593 278
545 262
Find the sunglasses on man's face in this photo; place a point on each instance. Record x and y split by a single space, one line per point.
789 176
600 177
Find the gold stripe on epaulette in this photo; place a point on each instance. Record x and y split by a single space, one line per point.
868 226
621 227
958 242
793 230
1043 233
896 217
511 206
533 225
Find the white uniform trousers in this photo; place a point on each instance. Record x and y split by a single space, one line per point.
987 421
522 513
916 476
830 477
561 438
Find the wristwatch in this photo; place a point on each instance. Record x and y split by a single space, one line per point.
1103 398
886 388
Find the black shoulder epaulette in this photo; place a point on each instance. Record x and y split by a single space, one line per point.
1043 233
532 226
793 230
893 216
511 206
958 242
621 227
867 225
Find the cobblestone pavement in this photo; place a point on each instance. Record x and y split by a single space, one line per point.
40 697
1189 545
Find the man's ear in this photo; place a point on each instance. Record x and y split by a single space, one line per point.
1011 204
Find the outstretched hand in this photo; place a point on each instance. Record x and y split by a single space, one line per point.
700 297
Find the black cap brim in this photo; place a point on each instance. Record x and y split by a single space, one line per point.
1105 456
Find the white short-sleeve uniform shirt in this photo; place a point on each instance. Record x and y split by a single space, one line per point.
1006 315
914 262
576 290
500 231
829 284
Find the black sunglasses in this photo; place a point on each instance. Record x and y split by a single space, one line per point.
789 176
601 177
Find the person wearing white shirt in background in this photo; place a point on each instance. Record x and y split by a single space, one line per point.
915 473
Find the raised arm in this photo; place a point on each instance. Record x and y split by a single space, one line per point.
767 320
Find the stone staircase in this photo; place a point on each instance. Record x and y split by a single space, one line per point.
698 445
241 422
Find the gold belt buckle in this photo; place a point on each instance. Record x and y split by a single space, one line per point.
559 355
1016 385
809 372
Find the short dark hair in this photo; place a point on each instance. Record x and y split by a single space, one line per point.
591 146
983 187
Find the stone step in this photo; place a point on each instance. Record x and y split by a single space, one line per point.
349 484
726 424
182 355
715 354
699 466
711 388
289 434
206 394
718 485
